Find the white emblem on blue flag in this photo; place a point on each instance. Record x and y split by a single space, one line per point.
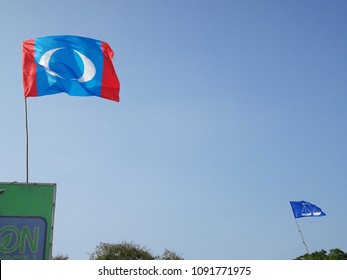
310 210
89 70
306 209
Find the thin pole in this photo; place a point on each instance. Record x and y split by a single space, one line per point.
27 140
302 236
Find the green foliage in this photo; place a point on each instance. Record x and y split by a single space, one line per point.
334 254
60 257
120 251
128 251
169 255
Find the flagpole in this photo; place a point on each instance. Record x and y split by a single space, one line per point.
302 236
27 140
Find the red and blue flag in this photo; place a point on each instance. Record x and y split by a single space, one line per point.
75 65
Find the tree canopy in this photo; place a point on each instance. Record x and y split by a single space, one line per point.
334 254
129 251
60 257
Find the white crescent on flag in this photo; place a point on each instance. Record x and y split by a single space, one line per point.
88 70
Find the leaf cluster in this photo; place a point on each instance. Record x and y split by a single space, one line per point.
129 251
60 257
334 254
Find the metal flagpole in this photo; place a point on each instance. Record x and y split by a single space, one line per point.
302 236
27 140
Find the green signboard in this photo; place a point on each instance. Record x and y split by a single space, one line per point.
26 220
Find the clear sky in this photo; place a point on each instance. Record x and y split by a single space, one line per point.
229 110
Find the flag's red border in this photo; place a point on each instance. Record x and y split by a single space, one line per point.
29 69
110 84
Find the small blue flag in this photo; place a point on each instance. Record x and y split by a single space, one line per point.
303 209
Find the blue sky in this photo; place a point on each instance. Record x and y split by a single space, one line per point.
229 110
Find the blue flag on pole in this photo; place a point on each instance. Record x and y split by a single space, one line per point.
303 209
